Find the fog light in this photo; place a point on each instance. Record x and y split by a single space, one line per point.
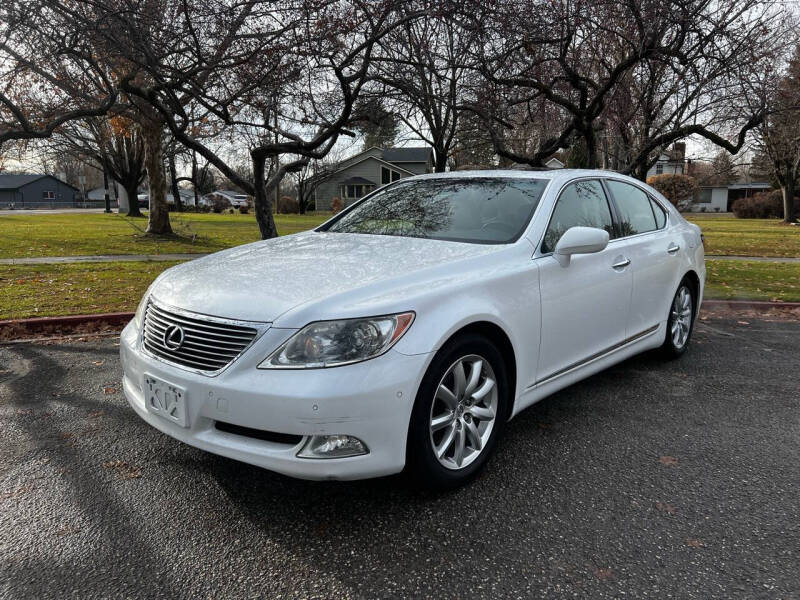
332 446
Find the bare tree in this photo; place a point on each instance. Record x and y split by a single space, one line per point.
627 78
289 90
48 75
425 66
779 140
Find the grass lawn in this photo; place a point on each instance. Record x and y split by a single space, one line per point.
74 289
730 236
49 290
752 280
73 234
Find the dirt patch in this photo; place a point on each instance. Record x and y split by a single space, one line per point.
93 325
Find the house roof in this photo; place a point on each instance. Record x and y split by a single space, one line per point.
15 181
357 181
415 154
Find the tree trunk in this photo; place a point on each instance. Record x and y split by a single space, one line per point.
591 147
173 173
788 200
440 161
263 201
641 172
132 190
158 221
194 179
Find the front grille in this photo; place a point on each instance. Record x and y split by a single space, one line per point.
205 344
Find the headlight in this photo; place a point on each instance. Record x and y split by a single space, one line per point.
335 343
137 318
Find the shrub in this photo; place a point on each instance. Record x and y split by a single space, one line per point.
764 205
288 205
680 190
337 204
220 204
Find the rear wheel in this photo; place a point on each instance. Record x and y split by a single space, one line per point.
459 413
680 322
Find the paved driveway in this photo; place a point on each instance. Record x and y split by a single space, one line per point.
649 480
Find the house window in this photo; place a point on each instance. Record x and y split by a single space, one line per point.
389 175
659 169
704 197
352 191
48 195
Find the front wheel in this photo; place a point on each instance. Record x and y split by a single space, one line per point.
680 322
459 413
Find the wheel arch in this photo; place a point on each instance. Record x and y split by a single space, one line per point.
499 338
694 280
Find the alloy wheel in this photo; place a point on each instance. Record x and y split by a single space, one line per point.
463 412
681 317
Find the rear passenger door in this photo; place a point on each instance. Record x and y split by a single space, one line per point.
647 242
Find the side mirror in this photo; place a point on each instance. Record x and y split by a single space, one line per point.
580 240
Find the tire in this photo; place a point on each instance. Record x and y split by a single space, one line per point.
680 322
433 460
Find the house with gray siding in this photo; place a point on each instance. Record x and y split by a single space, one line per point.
358 175
35 191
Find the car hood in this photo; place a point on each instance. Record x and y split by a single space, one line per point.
263 280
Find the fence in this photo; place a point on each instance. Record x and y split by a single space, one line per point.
52 205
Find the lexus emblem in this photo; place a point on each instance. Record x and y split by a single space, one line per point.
173 337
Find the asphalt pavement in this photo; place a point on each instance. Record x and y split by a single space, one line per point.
650 480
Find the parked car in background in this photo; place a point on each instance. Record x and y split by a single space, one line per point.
408 329
235 199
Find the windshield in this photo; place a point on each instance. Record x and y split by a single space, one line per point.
489 210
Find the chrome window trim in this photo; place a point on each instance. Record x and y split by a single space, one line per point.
261 328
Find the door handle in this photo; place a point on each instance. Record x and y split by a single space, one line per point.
673 248
621 263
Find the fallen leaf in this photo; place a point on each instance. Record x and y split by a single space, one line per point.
693 543
109 390
743 322
666 507
97 363
62 531
125 470
668 460
603 573
95 414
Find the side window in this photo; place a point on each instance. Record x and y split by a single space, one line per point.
635 212
661 216
580 204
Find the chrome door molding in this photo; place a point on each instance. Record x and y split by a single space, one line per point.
598 355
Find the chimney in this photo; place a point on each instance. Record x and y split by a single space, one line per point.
678 150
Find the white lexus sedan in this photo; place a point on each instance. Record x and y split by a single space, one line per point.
408 329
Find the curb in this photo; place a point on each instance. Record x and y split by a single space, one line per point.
750 305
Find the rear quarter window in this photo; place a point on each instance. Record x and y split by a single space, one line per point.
634 208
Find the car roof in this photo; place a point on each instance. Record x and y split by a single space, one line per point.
550 174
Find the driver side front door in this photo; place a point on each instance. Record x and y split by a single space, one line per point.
584 305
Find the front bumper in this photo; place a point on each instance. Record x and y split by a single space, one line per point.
371 401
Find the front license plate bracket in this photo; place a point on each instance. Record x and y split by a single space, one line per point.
166 400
